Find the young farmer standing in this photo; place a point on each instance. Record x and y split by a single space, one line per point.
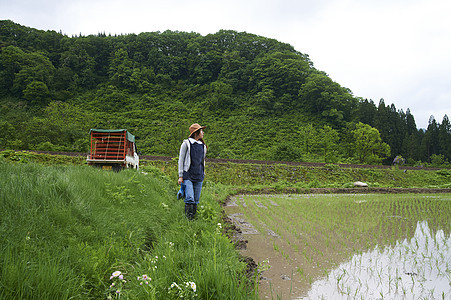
191 167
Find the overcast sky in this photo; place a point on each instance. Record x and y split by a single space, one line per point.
399 50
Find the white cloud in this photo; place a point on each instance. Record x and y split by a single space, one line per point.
392 50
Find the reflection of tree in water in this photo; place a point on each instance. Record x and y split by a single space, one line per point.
414 268
318 232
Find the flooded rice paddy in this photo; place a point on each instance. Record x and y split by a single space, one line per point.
348 246
418 268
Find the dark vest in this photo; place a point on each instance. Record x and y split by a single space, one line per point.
196 169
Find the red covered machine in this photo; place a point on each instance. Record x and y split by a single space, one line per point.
113 149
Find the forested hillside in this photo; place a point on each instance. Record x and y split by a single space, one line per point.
260 98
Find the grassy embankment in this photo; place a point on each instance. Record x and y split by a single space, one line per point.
288 178
65 230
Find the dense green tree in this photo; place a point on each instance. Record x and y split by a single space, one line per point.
410 147
19 69
7 130
286 152
329 139
111 99
142 79
383 121
322 96
444 138
282 72
69 116
308 135
411 141
399 127
410 123
369 147
264 102
208 67
430 139
39 130
63 79
82 64
221 99
10 63
34 67
392 125
236 71
36 93
121 69
366 112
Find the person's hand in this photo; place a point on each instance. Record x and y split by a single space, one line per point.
180 180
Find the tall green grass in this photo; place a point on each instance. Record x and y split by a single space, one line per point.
65 229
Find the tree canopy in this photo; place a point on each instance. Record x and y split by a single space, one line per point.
260 98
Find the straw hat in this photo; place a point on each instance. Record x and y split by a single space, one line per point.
195 127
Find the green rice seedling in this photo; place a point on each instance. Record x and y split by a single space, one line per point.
300 271
275 246
339 224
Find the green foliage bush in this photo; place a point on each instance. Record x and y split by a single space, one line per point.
286 152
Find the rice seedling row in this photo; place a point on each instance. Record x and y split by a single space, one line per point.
315 233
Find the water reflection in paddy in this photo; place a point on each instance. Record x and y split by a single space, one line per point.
419 268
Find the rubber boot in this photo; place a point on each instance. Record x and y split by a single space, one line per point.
194 210
189 211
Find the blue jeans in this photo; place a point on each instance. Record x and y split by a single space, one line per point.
192 191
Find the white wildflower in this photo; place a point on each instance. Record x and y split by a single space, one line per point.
116 274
